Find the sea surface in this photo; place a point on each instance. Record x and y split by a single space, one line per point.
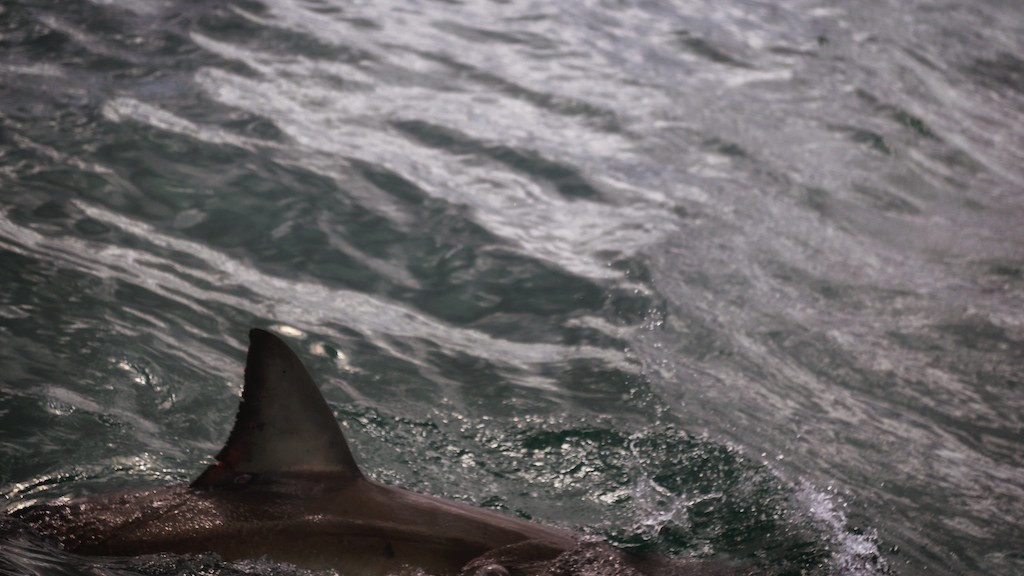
732 280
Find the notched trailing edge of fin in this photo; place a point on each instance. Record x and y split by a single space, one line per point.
283 422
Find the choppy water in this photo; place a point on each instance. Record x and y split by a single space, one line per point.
739 279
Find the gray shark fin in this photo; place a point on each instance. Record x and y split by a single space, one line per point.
283 423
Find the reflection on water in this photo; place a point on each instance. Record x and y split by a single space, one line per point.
732 280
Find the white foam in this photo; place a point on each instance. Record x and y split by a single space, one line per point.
852 554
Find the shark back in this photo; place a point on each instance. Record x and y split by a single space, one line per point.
286 486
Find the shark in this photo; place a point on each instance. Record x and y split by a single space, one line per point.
286 486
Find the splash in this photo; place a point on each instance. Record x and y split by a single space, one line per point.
656 505
853 554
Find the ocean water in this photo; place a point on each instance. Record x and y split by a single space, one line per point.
737 280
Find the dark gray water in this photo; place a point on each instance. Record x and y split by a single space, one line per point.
737 280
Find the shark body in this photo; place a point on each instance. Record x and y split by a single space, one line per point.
286 486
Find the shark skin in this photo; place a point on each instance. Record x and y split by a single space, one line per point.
308 519
286 486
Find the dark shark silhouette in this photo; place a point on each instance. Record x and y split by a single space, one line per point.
286 486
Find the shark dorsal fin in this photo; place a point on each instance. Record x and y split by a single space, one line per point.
283 423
